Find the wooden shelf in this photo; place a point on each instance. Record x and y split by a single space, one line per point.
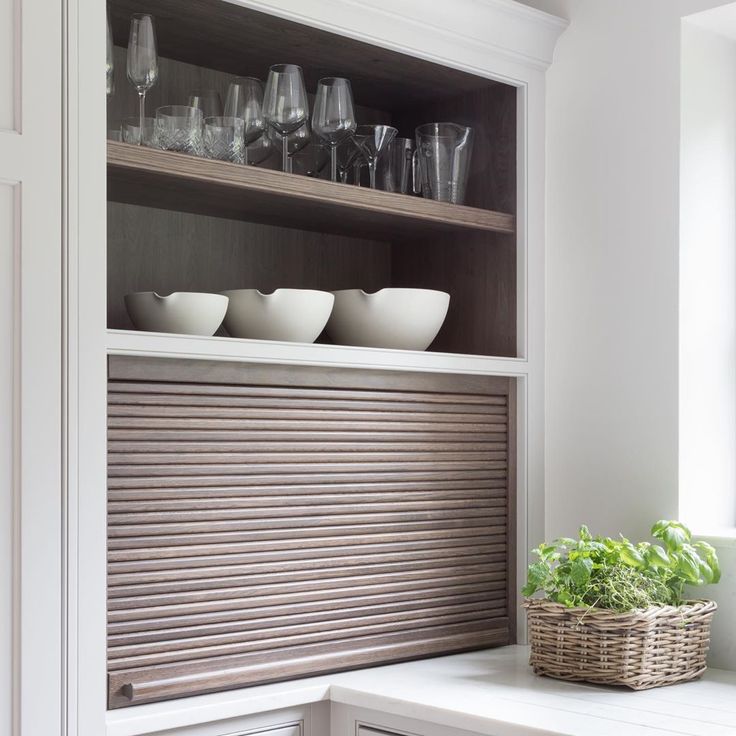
166 180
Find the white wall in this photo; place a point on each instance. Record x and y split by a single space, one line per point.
613 140
708 278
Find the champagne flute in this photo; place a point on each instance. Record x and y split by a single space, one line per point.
285 103
334 115
142 58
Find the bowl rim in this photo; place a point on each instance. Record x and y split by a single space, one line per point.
410 289
285 289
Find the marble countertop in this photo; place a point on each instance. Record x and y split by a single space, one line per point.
491 692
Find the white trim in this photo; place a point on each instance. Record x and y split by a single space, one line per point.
503 40
124 342
503 29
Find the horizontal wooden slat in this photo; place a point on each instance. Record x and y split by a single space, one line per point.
129 687
495 487
186 579
293 414
264 585
264 639
279 468
265 521
160 629
230 507
224 557
336 596
118 388
260 398
326 479
120 462
262 538
166 640
346 434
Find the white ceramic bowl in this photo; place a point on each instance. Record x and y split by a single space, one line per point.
183 312
289 315
400 319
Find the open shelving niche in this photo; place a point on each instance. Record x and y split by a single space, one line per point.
178 223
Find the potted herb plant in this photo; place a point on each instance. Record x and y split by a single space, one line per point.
615 613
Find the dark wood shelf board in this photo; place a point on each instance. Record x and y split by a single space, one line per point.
167 180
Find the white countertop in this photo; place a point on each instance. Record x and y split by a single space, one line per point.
492 692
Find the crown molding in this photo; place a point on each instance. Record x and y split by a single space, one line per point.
467 32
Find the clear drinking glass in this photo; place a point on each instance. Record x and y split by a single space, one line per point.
334 115
396 168
285 103
443 153
131 128
110 61
374 140
223 139
179 128
142 57
208 101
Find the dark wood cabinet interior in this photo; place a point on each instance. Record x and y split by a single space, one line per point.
203 231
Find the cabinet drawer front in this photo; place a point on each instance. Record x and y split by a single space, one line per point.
268 522
367 731
281 731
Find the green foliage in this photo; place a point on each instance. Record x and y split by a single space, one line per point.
615 574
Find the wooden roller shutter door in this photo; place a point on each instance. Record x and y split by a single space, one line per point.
267 522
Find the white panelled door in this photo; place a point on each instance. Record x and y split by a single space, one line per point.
31 488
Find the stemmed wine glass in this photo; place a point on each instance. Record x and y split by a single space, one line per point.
245 101
334 116
142 58
285 103
296 141
374 140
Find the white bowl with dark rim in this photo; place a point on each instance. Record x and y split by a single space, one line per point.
183 312
398 319
285 315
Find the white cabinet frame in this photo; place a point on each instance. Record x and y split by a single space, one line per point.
498 39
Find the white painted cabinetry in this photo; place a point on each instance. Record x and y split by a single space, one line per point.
497 39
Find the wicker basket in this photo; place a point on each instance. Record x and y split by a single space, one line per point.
641 649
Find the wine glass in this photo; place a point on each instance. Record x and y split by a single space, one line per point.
142 58
334 116
295 142
285 103
208 101
374 140
245 101
110 61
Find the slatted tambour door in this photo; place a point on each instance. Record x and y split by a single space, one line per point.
268 522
